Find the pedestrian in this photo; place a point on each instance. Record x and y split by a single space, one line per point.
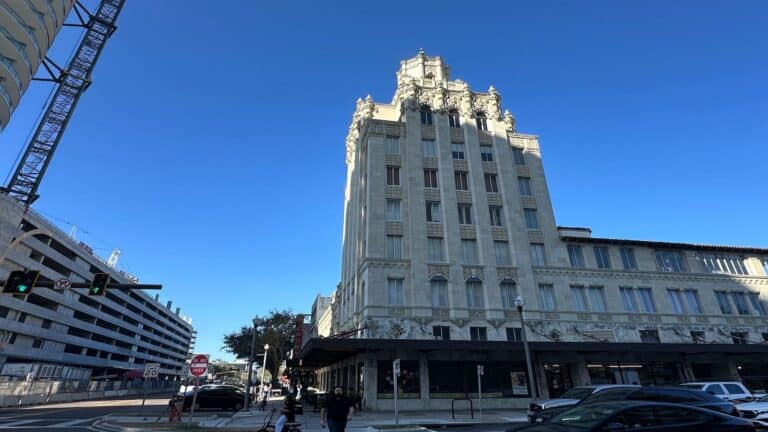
337 411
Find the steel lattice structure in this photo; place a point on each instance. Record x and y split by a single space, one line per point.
71 84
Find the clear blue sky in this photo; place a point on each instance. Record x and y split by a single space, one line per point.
210 147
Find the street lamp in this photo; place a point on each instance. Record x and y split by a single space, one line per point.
250 367
520 302
264 367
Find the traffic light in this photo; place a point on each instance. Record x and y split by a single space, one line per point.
21 282
99 284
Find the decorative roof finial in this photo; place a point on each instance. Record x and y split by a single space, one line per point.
421 51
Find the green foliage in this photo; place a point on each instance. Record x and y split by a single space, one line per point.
277 329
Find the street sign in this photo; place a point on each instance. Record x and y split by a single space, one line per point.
62 283
151 370
396 367
199 365
480 370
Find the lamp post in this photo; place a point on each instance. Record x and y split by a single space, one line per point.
250 368
264 367
520 302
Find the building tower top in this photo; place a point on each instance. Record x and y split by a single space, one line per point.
423 67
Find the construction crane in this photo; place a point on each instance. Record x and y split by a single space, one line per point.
71 82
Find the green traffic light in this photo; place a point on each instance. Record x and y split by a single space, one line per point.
22 288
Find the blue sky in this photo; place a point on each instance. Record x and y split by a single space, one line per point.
210 148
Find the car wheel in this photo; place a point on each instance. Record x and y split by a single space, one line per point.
238 406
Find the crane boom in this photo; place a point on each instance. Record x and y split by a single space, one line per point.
74 80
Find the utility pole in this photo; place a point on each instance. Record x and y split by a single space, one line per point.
250 367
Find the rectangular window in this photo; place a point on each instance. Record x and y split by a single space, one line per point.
394 210
630 301
697 336
428 148
441 332
514 334
433 211
395 295
457 150
740 300
649 336
692 300
524 184
670 261
508 295
628 258
518 156
430 178
439 293
495 212
722 301
435 247
491 184
501 249
740 337
576 256
579 298
453 119
538 254
722 264
486 153
478 333
37 343
474 295
757 304
392 145
646 299
465 214
460 178
426 115
393 175
469 251
394 247
547 297
531 221
676 298
602 258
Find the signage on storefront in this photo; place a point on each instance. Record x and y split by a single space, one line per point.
519 383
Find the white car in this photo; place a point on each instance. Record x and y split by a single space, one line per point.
756 411
732 391
571 397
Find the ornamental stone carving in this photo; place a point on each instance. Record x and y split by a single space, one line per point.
438 98
493 104
509 122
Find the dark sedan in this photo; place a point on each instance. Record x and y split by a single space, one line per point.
677 395
638 416
221 397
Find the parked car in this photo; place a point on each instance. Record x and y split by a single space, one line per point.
215 396
677 395
571 397
639 416
757 411
728 390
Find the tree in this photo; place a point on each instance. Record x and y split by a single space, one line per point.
276 329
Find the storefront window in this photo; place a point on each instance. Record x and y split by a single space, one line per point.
408 383
643 373
459 379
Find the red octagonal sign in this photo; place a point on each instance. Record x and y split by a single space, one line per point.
199 365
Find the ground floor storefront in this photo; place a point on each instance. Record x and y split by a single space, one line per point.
437 374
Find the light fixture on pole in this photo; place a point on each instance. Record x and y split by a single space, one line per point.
264 367
520 302
250 367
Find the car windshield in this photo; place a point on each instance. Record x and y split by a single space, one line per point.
763 399
577 393
586 415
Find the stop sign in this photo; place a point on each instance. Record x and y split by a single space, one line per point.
199 365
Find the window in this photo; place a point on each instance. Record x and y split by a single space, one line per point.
630 301
739 337
670 261
602 258
394 210
680 417
757 304
765 266
715 389
22 317
508 294
722 301
518 156
538 255
428 148
547 297
576 256
486 153
37 343
740 300
765 337
430 178
441 332
531 221
393 175
649 336
676 298
469 251
453 119
457 150
481 121
478 333
4 312
514 334
735 389
524 184
692 300
697 336
501 250
495 212
395 295
426 115
474 294
628 258
433 211
722 264
646 299
465 214
435 248
579 298
392 145
439 292
491 185
460 178
394 247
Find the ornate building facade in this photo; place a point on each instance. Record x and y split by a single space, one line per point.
448 219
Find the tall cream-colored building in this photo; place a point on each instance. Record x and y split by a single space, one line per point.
448 219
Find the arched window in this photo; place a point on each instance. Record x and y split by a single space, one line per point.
453 118
426 115
482 124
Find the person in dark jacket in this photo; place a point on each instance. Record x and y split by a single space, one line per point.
337 411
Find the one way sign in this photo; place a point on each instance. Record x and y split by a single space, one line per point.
151 370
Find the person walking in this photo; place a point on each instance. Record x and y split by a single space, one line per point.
337 411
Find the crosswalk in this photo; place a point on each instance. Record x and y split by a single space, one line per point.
47 423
